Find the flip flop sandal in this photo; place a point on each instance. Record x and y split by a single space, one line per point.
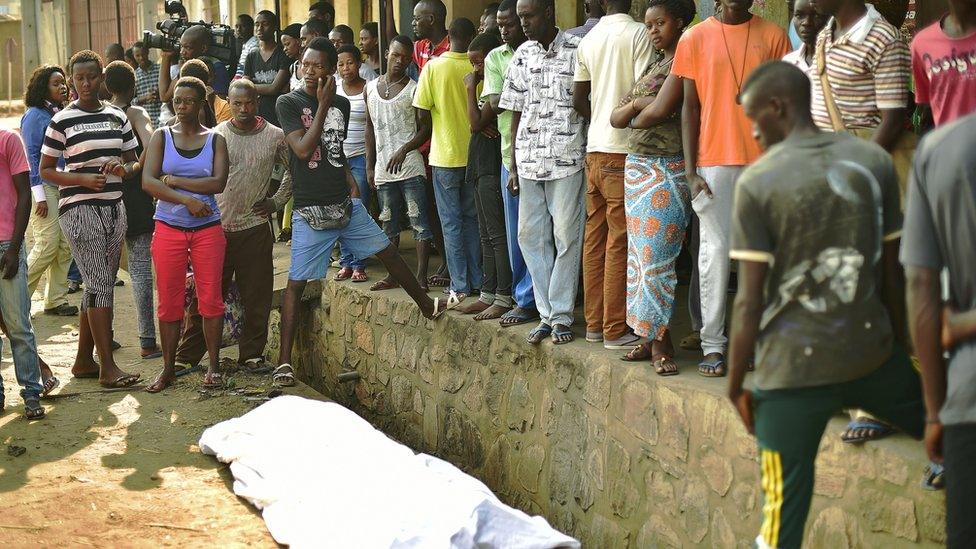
213 381
541 332
691 342
155 354
435 281
284 376
561 334
383 285
359 276
122 382
934 478
256 366
517 316
455 299
33 409
639 353
712 369
187 370
438 311
664 366
50 384
881 430
344 273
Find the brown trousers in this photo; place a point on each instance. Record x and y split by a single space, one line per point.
248 262
605 246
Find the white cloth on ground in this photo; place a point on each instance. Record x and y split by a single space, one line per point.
324 477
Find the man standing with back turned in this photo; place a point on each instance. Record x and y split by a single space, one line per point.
612 55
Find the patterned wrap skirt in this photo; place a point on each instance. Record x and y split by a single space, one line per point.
658 205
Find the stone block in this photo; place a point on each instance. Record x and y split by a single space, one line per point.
607 534
451 376
474 395
717 470
635 409
660 490
746 496
674 422
521 407
932 521
530 467
835 529
387 350
418 401
618 458
425 368
624 497
596 390
694 510
461 440
885 512
547 415
430 423
594 468
658 532
561 474
401 394
722 534
495 386
712 417
363 334
403 312
893 469
563 519
497 465
562 373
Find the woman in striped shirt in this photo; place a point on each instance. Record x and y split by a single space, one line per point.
98 146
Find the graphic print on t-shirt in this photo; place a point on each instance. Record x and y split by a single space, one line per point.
333 134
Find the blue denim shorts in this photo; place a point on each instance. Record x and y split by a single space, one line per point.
311 250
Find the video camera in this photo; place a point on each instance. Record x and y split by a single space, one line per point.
223 42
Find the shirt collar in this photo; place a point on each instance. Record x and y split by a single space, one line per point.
860 30
615 17
557 43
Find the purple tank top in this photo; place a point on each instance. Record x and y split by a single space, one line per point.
201 165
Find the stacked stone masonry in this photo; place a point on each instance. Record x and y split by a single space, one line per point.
606 451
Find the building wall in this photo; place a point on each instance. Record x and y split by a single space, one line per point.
12 88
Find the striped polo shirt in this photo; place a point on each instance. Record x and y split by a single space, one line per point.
87 140
869 69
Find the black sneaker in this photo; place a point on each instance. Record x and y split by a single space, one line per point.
62 310
74 286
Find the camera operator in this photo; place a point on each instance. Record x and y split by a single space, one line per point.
193 44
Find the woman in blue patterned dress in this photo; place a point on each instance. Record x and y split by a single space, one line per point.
656 196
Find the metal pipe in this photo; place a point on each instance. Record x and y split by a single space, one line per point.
118 21
345 377
88 5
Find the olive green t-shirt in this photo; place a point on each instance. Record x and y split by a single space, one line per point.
817 209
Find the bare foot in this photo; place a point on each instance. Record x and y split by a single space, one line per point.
85 369
473 308
491 313
162 381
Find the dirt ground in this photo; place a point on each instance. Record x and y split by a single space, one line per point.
120 469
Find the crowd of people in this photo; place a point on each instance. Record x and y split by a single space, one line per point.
534 159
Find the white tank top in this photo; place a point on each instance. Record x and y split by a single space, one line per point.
394 123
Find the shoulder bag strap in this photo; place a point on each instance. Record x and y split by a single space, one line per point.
828 94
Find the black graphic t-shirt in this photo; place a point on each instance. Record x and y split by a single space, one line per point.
320 180
260 71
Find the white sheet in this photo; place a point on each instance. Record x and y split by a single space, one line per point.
324 477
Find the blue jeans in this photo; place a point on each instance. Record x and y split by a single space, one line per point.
459 221
357 165
15 309
73 273
552 219
392 196
521 279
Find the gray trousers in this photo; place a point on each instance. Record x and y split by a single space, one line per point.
552 217
140 270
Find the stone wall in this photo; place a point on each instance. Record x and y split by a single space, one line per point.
607 452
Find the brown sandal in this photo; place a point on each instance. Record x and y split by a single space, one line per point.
664 365
639 353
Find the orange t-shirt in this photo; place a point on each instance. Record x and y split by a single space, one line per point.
703 55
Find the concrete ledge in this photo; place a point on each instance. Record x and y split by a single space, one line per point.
607 451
